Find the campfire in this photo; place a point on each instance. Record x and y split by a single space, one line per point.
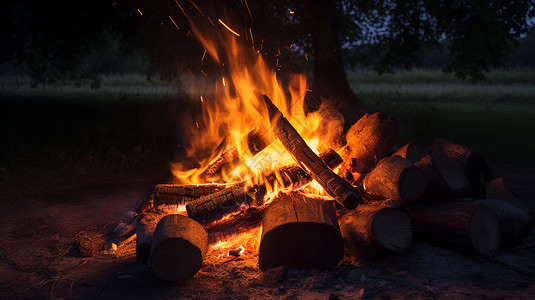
264 176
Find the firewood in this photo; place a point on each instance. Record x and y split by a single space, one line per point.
462 225
170 196
178 248
257 140
295 176
515 224
445 174
496 189
370 231
300 232
337 187
236 223
477 169
412 151
212 207
396 178
144 233
369 140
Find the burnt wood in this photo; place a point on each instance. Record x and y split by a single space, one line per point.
412 151
178 248
170 196
300 232
236 223
333 184
212 207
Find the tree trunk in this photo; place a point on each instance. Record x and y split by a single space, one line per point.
329 75
371 231
178 248
396 178
462 225
300 232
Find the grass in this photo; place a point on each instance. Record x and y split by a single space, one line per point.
64 135
494 117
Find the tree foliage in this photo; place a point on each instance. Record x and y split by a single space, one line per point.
54 38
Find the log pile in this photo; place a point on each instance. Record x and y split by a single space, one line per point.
380 198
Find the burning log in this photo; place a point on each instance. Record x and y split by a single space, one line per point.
234 224
371 231
178 248
465 225
337 187
214 206
295 176
300 232
369 140
257 140
444 174
170 196
396 178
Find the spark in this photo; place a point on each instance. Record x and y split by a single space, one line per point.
251 33
210 21
237 34
204 74
190 72
223 79
181 8
197 123
202 100
174 23
306 56
292 12
203 55
139 11
114 3
248 10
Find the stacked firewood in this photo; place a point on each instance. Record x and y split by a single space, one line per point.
379 199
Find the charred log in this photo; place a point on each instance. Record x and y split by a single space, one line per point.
236 223
214 206
371 231
396 178
337 187
300 232
178 248
170 196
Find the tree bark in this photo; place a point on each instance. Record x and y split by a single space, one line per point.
412 151
178 248
300 232
371 231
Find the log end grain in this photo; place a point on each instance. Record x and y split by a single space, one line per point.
178 247
484 231
412 184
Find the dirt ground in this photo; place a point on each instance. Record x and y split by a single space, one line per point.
38 259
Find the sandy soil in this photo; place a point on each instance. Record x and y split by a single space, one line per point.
38 260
